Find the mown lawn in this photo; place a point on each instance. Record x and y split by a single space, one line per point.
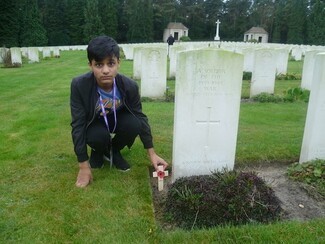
40 204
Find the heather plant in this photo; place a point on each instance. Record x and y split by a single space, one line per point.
225 197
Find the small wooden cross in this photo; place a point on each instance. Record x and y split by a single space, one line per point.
160 174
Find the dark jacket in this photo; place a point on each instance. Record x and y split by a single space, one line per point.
170 40
83 100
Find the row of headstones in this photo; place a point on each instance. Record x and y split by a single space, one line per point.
297 51
265 61
207 103
31 53
150 65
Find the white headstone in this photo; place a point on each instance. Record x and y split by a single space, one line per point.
263 75
137 64
33 54
3 52
128 51
313 143
282 58
62 48
153 72
207 101
46 52
308 69
249 55
24 52
296 53
56 52
173 52
15 55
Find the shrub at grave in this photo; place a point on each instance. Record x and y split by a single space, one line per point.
296 94
147 99
253 41
184 39
247 75
267 98
311 173
169 95
122 54
288 77
227 197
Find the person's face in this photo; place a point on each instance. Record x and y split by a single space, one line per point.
105 71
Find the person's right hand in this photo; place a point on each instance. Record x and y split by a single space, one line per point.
85 176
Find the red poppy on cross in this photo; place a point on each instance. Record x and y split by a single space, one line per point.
160 174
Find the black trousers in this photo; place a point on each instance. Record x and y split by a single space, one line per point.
127 129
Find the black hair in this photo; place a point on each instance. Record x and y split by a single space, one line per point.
102 47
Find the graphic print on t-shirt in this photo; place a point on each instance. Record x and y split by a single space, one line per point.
107 98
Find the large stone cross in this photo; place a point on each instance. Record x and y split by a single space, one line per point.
160 174
217 37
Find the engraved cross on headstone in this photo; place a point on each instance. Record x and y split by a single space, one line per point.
208 122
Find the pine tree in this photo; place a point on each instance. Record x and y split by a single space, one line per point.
316 24
280 31
108 14
56 23
76 21
93 25
236 18
140 21
297 18
9 23
213 12
262 14
164 12
195 20
32 31
122 19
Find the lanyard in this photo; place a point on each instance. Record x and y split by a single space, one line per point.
114 108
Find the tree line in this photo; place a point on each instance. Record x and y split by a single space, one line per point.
75 22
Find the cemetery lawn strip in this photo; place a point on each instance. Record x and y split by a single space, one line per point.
39 202
270 132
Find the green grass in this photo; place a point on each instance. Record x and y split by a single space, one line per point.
40 204
270 132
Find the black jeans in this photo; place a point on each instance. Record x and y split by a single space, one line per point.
127 129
